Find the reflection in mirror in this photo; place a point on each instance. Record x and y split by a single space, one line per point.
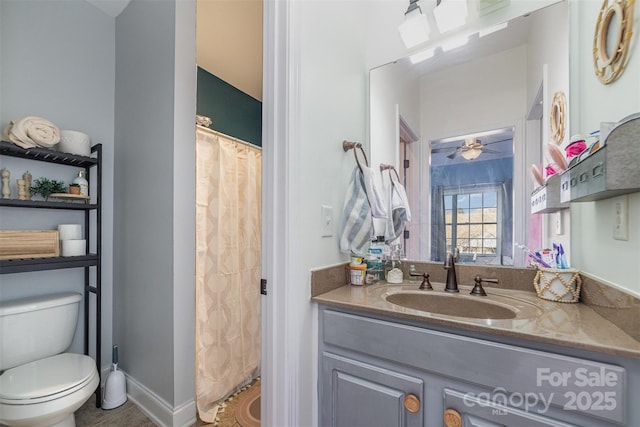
471 196
463 194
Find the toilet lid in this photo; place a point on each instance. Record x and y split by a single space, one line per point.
46 376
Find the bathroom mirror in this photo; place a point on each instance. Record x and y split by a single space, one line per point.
489 100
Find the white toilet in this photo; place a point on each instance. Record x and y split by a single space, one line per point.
40 385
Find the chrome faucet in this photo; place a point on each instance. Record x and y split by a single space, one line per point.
450 266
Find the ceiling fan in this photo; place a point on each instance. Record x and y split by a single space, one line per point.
470 149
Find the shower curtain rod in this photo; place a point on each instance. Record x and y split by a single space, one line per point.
215 132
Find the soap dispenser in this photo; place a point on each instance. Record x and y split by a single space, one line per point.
81 180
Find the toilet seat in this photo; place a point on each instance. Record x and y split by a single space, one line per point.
46 379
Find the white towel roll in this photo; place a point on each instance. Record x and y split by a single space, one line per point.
32 131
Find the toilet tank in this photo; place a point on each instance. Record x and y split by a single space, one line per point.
36 327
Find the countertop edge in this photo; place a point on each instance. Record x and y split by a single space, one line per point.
615 351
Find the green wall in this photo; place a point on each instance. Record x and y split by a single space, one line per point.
232 111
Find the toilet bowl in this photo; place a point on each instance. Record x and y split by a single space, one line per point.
48 391
39 385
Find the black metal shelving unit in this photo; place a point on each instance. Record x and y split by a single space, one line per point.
57 263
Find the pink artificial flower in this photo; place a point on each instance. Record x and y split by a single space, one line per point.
575 148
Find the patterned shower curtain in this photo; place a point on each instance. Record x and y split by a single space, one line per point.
228 244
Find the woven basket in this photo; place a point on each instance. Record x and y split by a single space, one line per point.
558 285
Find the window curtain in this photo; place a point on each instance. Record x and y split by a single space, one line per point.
228 245
438 237
506 252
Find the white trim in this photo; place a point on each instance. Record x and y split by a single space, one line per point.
157 409
406 131
279 403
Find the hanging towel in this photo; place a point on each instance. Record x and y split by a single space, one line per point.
376 201
399 211
357 222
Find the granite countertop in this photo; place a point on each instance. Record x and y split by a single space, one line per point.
570 325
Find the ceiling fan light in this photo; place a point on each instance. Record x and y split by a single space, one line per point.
415 28
450 14
471 154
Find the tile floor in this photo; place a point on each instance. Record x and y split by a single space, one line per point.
129 415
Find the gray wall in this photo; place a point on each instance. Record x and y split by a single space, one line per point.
58 62
152 173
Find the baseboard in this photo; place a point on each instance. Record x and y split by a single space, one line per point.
157 409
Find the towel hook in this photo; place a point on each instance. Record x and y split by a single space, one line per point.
348 145
384 167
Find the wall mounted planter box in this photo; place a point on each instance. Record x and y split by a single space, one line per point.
547 199
611 171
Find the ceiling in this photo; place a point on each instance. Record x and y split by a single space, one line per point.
228 39
514 35
229 42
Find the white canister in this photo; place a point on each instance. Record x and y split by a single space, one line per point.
76 247
357 274
70 231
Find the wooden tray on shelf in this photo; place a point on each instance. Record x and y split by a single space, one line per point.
70 196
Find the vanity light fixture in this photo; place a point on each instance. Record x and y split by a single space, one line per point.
415 28
493 29
450 14
423 55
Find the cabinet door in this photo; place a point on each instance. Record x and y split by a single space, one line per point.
357 394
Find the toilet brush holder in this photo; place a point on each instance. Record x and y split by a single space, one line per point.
115 386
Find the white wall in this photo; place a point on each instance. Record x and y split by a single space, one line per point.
474 96
57 62
154 227
332 100
392 89
595 251
314 99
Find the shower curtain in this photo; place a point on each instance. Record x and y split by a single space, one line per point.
228 237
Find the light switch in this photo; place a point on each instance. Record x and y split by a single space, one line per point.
620 218
326 221
557 221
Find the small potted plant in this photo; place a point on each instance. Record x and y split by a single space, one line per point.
74 188
45 187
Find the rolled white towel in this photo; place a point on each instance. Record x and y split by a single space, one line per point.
33 131
9 136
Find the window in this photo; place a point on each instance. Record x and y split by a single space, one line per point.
472 223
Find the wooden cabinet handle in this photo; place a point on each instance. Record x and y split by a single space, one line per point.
452 418
412 403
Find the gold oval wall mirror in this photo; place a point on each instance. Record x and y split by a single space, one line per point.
557 117
612 38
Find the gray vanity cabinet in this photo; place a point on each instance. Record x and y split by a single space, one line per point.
378 372
364 395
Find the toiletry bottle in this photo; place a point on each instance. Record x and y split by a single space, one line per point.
81 180
412 271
